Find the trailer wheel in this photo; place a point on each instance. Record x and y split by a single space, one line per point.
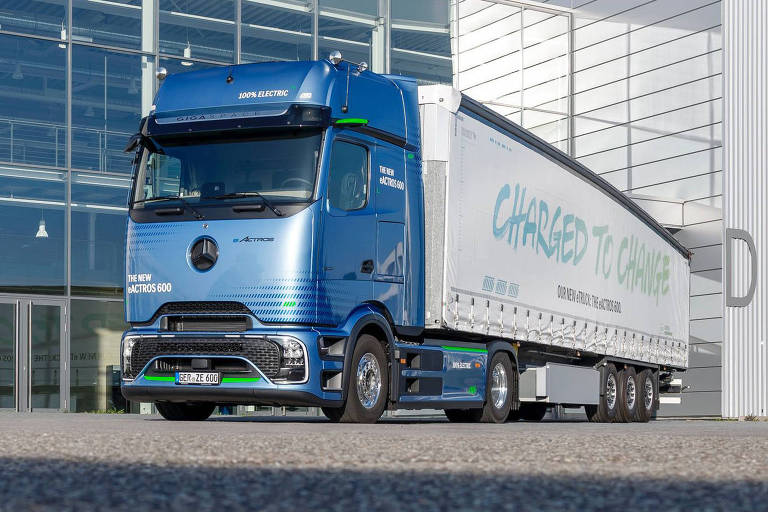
646 396
606 410
368 382
184 412
500 384
629 396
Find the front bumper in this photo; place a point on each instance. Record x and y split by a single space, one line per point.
260 391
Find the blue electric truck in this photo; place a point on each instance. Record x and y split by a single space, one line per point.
316 234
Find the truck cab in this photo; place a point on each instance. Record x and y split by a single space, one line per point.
275 216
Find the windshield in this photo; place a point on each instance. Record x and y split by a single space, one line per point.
281 168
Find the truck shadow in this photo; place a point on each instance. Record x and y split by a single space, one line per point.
42 484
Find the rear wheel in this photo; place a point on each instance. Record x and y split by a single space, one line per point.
184 412
500 383
628 395
646 396
368 383
607 408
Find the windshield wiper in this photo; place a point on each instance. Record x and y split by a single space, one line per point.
197 214
237 195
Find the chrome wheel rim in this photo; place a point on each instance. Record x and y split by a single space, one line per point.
610 392
498 386
631 393
648 393
368 380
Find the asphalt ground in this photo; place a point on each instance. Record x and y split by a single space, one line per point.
143 463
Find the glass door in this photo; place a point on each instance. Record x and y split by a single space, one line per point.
32 371
8 353
46 367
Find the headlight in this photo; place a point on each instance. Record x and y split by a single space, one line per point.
293 363
128 344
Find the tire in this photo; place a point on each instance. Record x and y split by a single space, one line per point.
646 403
529 411
368 383
607 408
628 395
500 389
463 415
184 412
333 413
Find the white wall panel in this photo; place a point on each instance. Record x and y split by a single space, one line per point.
745 357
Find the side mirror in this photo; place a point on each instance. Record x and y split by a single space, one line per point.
133 143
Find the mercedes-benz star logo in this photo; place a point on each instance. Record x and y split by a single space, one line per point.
204 254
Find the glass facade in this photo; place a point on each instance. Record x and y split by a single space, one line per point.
76 76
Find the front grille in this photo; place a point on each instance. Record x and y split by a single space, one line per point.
264 354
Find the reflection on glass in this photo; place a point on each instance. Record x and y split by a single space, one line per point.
38 17
45 355
32 231
421 40
348 26
95 356
113 23
106 107
32 101
198 29
276 32
98 234
7 355
282 167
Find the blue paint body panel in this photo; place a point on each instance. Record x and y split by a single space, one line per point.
301 275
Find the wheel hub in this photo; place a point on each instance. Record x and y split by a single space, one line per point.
499 386
648 402
610 392
631 393
368 380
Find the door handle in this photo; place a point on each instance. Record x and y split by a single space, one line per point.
367 267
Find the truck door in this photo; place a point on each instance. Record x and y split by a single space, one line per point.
349 249
388 184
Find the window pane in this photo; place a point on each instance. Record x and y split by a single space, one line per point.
348 181
347 25
39 17
32 101
277 32
95 355
106 107
98 234
113 23
180 65
198 29
421 40
32 231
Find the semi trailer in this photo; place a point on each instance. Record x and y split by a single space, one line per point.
316 234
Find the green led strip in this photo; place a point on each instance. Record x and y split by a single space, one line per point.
240 379
225 379
352 120
466 349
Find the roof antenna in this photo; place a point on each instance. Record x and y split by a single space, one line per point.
345 106
230 79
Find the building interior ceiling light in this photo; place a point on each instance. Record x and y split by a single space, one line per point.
187 55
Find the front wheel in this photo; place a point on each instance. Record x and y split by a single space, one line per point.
368 383
184 412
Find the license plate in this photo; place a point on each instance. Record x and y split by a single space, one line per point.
201 378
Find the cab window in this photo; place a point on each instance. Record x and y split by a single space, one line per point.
348 177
